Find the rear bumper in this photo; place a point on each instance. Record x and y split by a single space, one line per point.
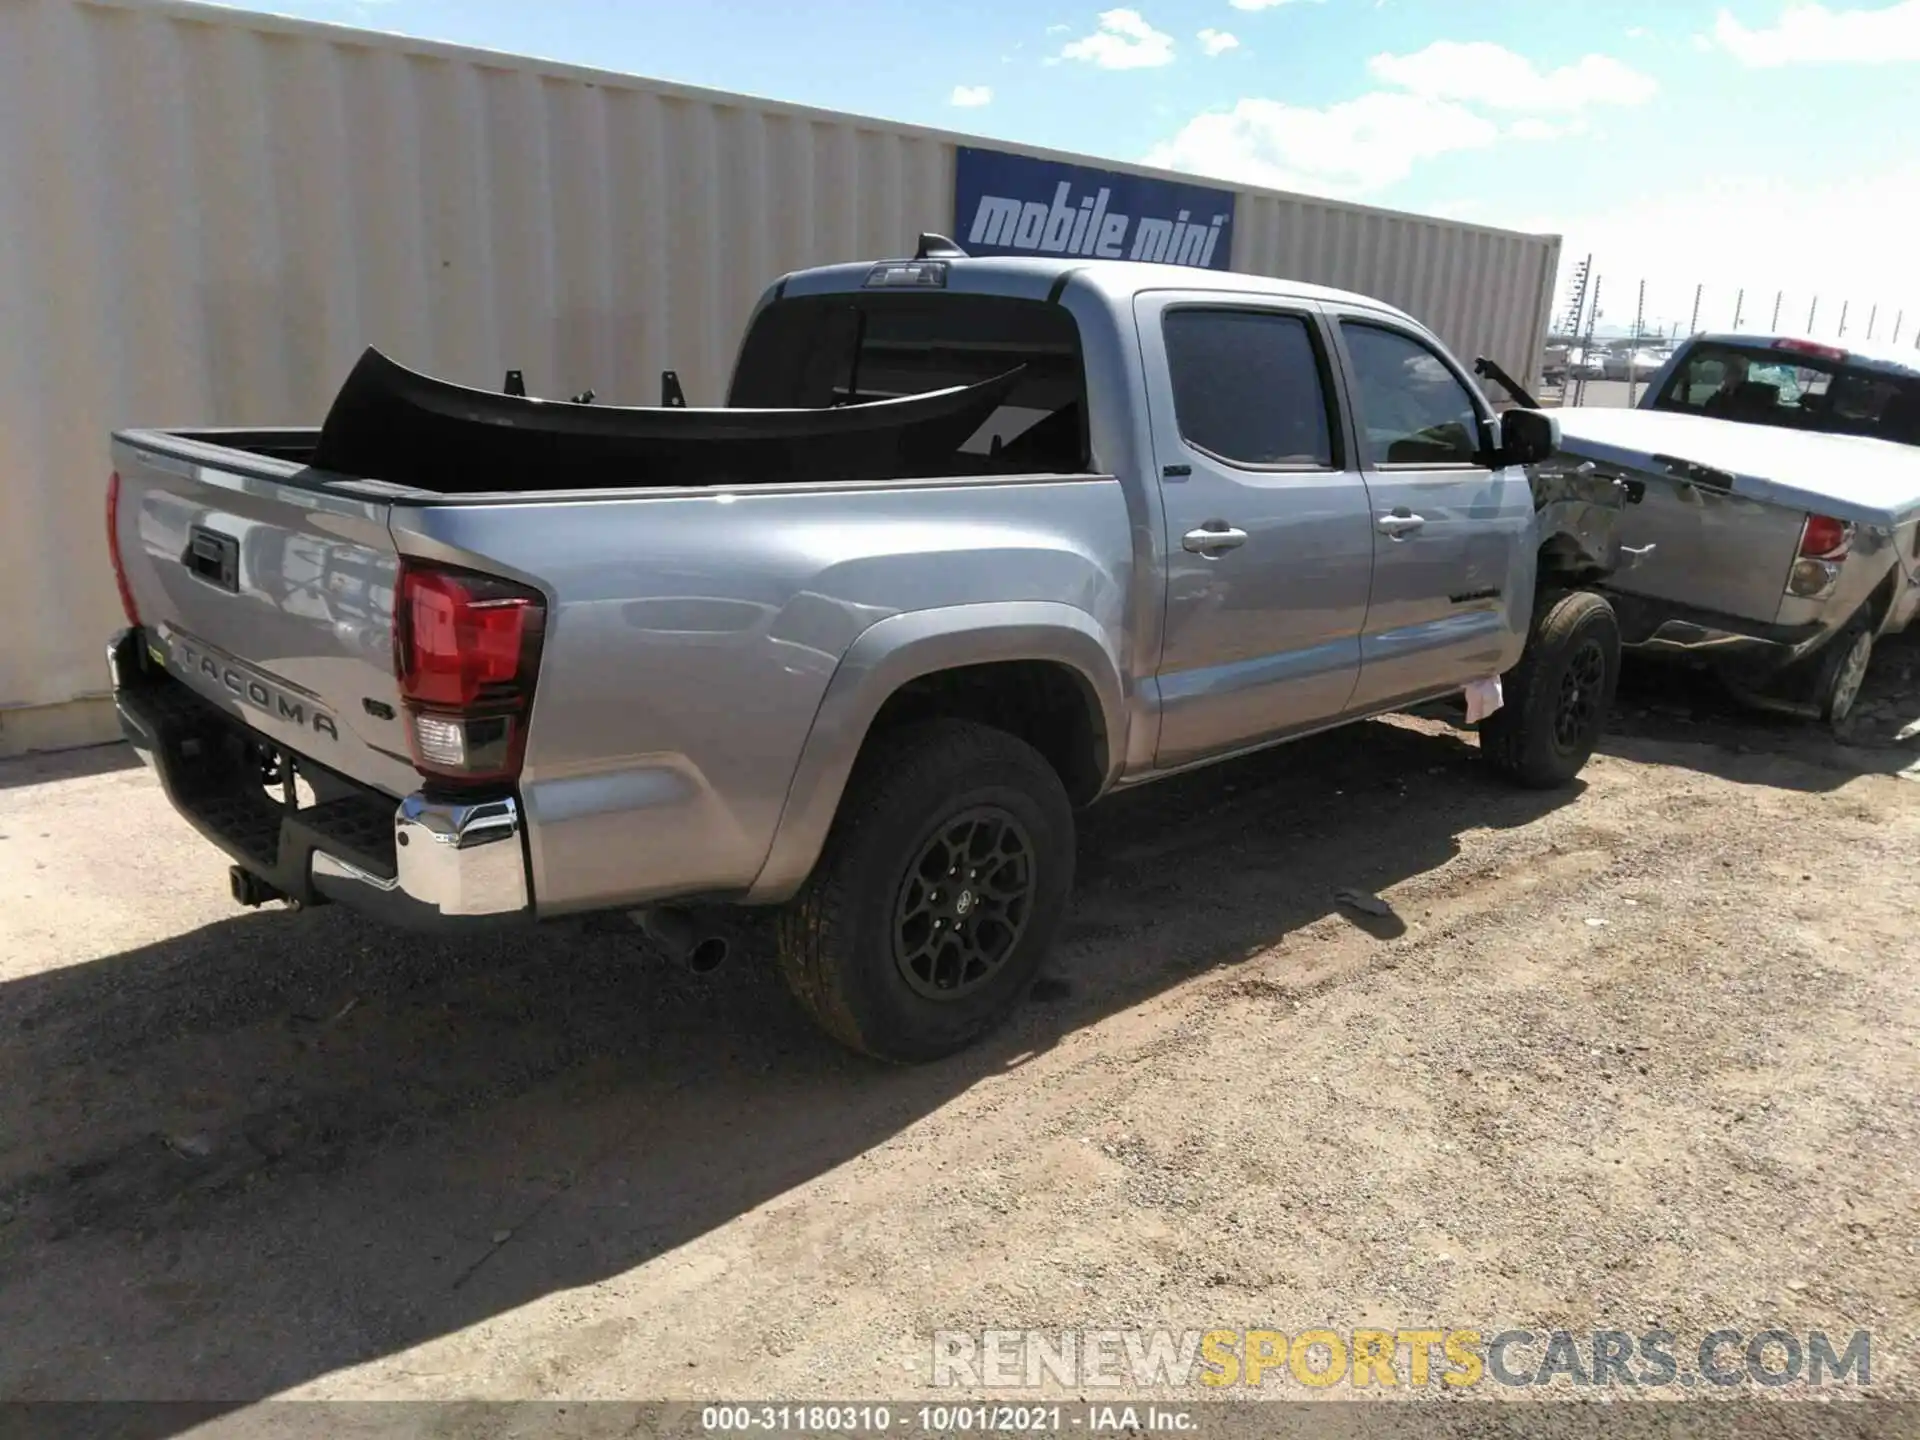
422 863
1745 649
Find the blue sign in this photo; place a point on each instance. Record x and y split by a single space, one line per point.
1016 205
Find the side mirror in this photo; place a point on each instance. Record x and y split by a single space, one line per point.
1528 436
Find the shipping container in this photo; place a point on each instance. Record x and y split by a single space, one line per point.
208 214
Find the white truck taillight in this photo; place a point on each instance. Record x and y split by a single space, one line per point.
466 649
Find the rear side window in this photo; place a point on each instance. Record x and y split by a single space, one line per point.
816 351
1248 387
1413 409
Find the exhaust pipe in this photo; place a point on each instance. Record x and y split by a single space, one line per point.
686 945
249 889
709 955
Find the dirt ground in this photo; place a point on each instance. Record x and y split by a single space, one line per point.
1643 1052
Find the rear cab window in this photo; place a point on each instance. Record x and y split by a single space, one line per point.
1766 385
817 351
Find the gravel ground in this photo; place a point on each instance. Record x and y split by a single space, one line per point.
1643 1052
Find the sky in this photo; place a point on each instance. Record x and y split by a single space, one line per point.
1759 144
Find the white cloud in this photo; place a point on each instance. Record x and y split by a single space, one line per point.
1058 29
1637 32
1260 4
1532 127
970 97
1814 35
1123 41
1483 73
1349 148
1218 42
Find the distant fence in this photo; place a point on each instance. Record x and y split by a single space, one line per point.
1610 306
1600 316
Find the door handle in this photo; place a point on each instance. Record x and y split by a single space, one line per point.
1213 538
1399 524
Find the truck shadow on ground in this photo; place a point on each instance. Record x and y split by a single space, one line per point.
243 1158
1670 715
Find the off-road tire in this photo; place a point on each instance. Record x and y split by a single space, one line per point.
837 945
1527 739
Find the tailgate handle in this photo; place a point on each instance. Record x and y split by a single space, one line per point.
1705 476
214 557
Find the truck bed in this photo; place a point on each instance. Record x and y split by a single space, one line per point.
691 632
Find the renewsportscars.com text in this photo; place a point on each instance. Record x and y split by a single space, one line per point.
1406 1357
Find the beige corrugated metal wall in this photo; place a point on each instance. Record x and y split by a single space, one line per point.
205 215
1485 292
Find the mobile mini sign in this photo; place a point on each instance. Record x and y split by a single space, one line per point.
1016 205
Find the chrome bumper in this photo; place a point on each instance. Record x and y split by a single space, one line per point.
1734 646
453 860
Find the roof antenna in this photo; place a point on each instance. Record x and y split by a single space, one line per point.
937 247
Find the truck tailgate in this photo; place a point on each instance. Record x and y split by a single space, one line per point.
1712 550
1721 543
270 596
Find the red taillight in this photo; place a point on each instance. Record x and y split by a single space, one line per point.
1824 542
1825 538
466 650
131 610
1811 347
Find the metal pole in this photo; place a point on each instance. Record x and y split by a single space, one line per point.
1778 296
1586 344
1843 315
1693 325
1582 297
1739 304
1810 313
1898 317
1872 315
1633 355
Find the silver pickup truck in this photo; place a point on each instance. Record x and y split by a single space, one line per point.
973 543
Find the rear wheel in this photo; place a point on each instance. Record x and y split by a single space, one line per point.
940 890
1842 671
1558 697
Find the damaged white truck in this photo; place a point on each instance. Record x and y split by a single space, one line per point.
973 543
